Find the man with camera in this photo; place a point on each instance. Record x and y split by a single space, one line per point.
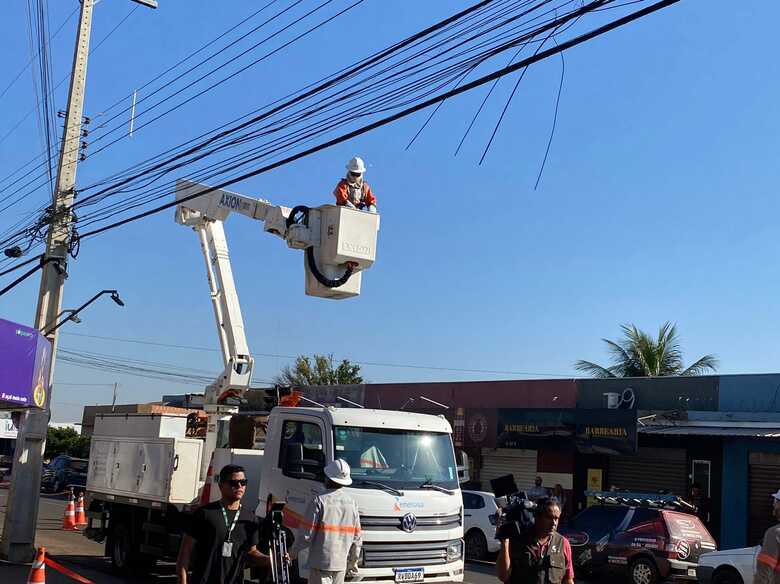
535 554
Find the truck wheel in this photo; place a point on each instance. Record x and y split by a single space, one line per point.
642 571
120 548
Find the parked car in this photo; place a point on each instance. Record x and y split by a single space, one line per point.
645 544
728 566
64 471
479 512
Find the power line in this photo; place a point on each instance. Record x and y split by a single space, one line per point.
27 65
279 356
278 146
329 83
227 63
409 110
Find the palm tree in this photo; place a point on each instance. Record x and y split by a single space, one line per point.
639 355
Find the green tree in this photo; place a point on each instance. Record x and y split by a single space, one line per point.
319 370
638 354
66 441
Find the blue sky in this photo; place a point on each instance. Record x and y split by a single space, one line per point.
658 202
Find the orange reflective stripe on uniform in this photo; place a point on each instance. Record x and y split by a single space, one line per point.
294 520
767 560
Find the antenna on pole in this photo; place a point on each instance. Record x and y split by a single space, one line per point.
345 400
311 401
434 402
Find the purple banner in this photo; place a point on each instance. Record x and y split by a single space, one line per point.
25 356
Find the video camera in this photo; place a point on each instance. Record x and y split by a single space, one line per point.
519 511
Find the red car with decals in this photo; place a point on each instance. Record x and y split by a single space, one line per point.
642 538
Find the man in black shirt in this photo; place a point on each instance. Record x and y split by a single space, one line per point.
539 555
222 536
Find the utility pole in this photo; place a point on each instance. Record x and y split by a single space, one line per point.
18 540
113 399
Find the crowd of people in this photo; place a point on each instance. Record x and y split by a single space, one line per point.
224 536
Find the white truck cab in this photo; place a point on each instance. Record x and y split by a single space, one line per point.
405 482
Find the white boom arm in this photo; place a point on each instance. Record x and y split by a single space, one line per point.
339 243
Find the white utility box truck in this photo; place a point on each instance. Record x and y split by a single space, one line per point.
142 489
146 476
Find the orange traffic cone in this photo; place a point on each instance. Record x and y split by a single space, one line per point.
38 570
69 519
205 495
81 517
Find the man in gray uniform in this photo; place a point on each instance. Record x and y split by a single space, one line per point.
331 529
768 558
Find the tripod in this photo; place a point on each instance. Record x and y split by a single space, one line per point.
280 567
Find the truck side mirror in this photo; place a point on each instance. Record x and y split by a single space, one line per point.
463 468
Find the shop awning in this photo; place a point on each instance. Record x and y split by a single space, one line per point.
725 428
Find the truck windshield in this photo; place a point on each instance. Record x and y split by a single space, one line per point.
401 459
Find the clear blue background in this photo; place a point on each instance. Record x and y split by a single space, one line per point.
658 203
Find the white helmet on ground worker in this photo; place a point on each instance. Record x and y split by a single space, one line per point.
338 472
356 165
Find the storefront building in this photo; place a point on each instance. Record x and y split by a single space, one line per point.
639 434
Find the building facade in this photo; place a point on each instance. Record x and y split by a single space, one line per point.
721 433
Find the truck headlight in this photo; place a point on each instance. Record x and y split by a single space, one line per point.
455 550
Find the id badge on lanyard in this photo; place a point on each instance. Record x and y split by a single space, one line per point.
227 549
227 545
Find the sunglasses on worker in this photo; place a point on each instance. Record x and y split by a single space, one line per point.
236 483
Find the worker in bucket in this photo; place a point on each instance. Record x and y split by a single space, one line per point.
353 191
331 529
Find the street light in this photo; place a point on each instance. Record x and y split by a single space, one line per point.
74 312
72 317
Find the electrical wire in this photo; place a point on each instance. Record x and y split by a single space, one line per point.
229 44
144 342
554 122
404 113
30 61
393 98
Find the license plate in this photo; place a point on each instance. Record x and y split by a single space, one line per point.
692 572
409 575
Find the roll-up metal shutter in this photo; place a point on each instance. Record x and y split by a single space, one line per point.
763 480
503 461
651 470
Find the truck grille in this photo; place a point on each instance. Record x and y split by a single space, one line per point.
397 555
432 523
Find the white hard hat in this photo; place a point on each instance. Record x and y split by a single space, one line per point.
356 165
338 472
776 495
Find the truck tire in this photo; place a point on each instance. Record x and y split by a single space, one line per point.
120 548
124 554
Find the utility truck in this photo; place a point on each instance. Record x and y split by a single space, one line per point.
148 472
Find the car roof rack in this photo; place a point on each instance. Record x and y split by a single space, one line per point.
636 499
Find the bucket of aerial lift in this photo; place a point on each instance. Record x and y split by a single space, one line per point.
347 236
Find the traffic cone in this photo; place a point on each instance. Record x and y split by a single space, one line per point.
69 519
205 495
38 570
81 517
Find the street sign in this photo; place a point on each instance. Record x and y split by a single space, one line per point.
25 355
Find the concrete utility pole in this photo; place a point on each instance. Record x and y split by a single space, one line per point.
18 541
